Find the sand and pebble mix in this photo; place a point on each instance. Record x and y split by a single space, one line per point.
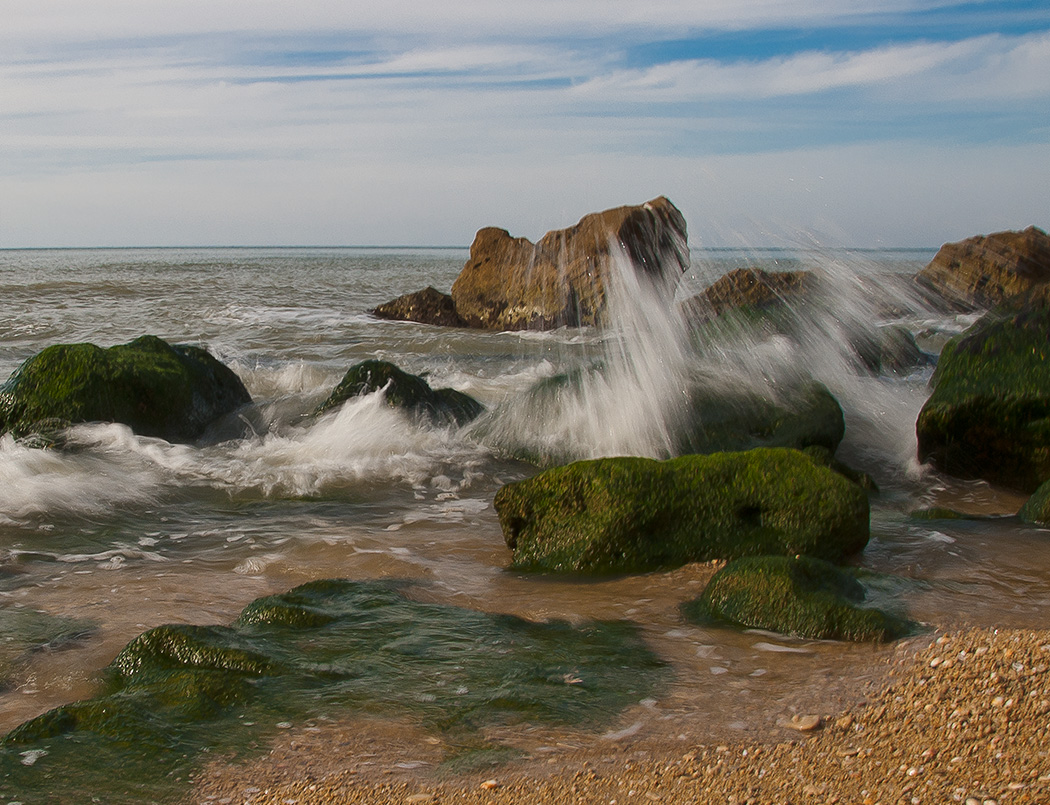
965 719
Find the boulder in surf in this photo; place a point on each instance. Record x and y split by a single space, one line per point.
629 514
155 388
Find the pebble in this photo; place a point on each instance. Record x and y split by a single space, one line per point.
804 723
489 785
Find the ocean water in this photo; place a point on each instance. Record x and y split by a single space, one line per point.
121 533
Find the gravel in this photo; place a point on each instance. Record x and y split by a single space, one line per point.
963 720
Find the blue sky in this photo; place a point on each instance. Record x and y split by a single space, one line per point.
125 122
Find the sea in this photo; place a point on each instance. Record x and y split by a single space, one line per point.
122 533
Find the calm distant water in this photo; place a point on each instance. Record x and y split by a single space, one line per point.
128 533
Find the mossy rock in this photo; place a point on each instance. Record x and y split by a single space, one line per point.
1036 510
799 596
156 389
889 350
733 420
625 515
178 695
403 390
989 414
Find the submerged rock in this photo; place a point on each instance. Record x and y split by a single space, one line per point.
989 414
625 515
985 271
799 596
178 695
156 389
403 390
428 306
512 284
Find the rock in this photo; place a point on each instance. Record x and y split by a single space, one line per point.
1036 511
809 416
402 390
156 389
989 414
752 288
428 306
889 350
800 596
625 515
984 271
512 284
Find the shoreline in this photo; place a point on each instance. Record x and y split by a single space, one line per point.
959 717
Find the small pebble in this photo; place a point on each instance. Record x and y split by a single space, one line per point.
489 785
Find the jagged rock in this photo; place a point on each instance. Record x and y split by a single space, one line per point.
984 271
989 414
156 389
512 284
625 515
428 306
404 390
799 596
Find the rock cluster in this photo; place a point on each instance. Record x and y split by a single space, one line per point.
511 283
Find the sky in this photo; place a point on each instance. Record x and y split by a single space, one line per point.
338 122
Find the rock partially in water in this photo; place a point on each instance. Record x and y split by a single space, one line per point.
180 694
403 390
989 414
984 271
512 284
625 515
799 596
889 350
752 288
1036 509
429 306
155 388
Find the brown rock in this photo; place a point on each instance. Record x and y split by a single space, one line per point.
752 287
512 284
428 306
985 271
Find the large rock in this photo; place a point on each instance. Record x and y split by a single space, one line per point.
798 596
989 414
406 391
512 284
428 306
156 389
752 288
621 515
984 271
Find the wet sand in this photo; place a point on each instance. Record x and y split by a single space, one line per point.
957 717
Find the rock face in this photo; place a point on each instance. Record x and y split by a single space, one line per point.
984 271
752 288
989 414
512 284
402 390
798 596
428 306
171 392
624 515
1037 508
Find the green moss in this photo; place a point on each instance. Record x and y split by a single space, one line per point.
179 693
798 596
621 515
1036 509
989 414
172 392
402 390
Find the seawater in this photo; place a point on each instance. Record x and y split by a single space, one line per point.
122 533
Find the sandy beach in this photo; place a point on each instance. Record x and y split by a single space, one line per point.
960 717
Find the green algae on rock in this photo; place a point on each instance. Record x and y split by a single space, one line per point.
321 650
1036 510
624 515
156 389
799 596
989 414
404 390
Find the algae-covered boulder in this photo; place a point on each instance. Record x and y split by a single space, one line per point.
618 515
799 596
155 388
808 415
406 391
989 414
1036 509
180 695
